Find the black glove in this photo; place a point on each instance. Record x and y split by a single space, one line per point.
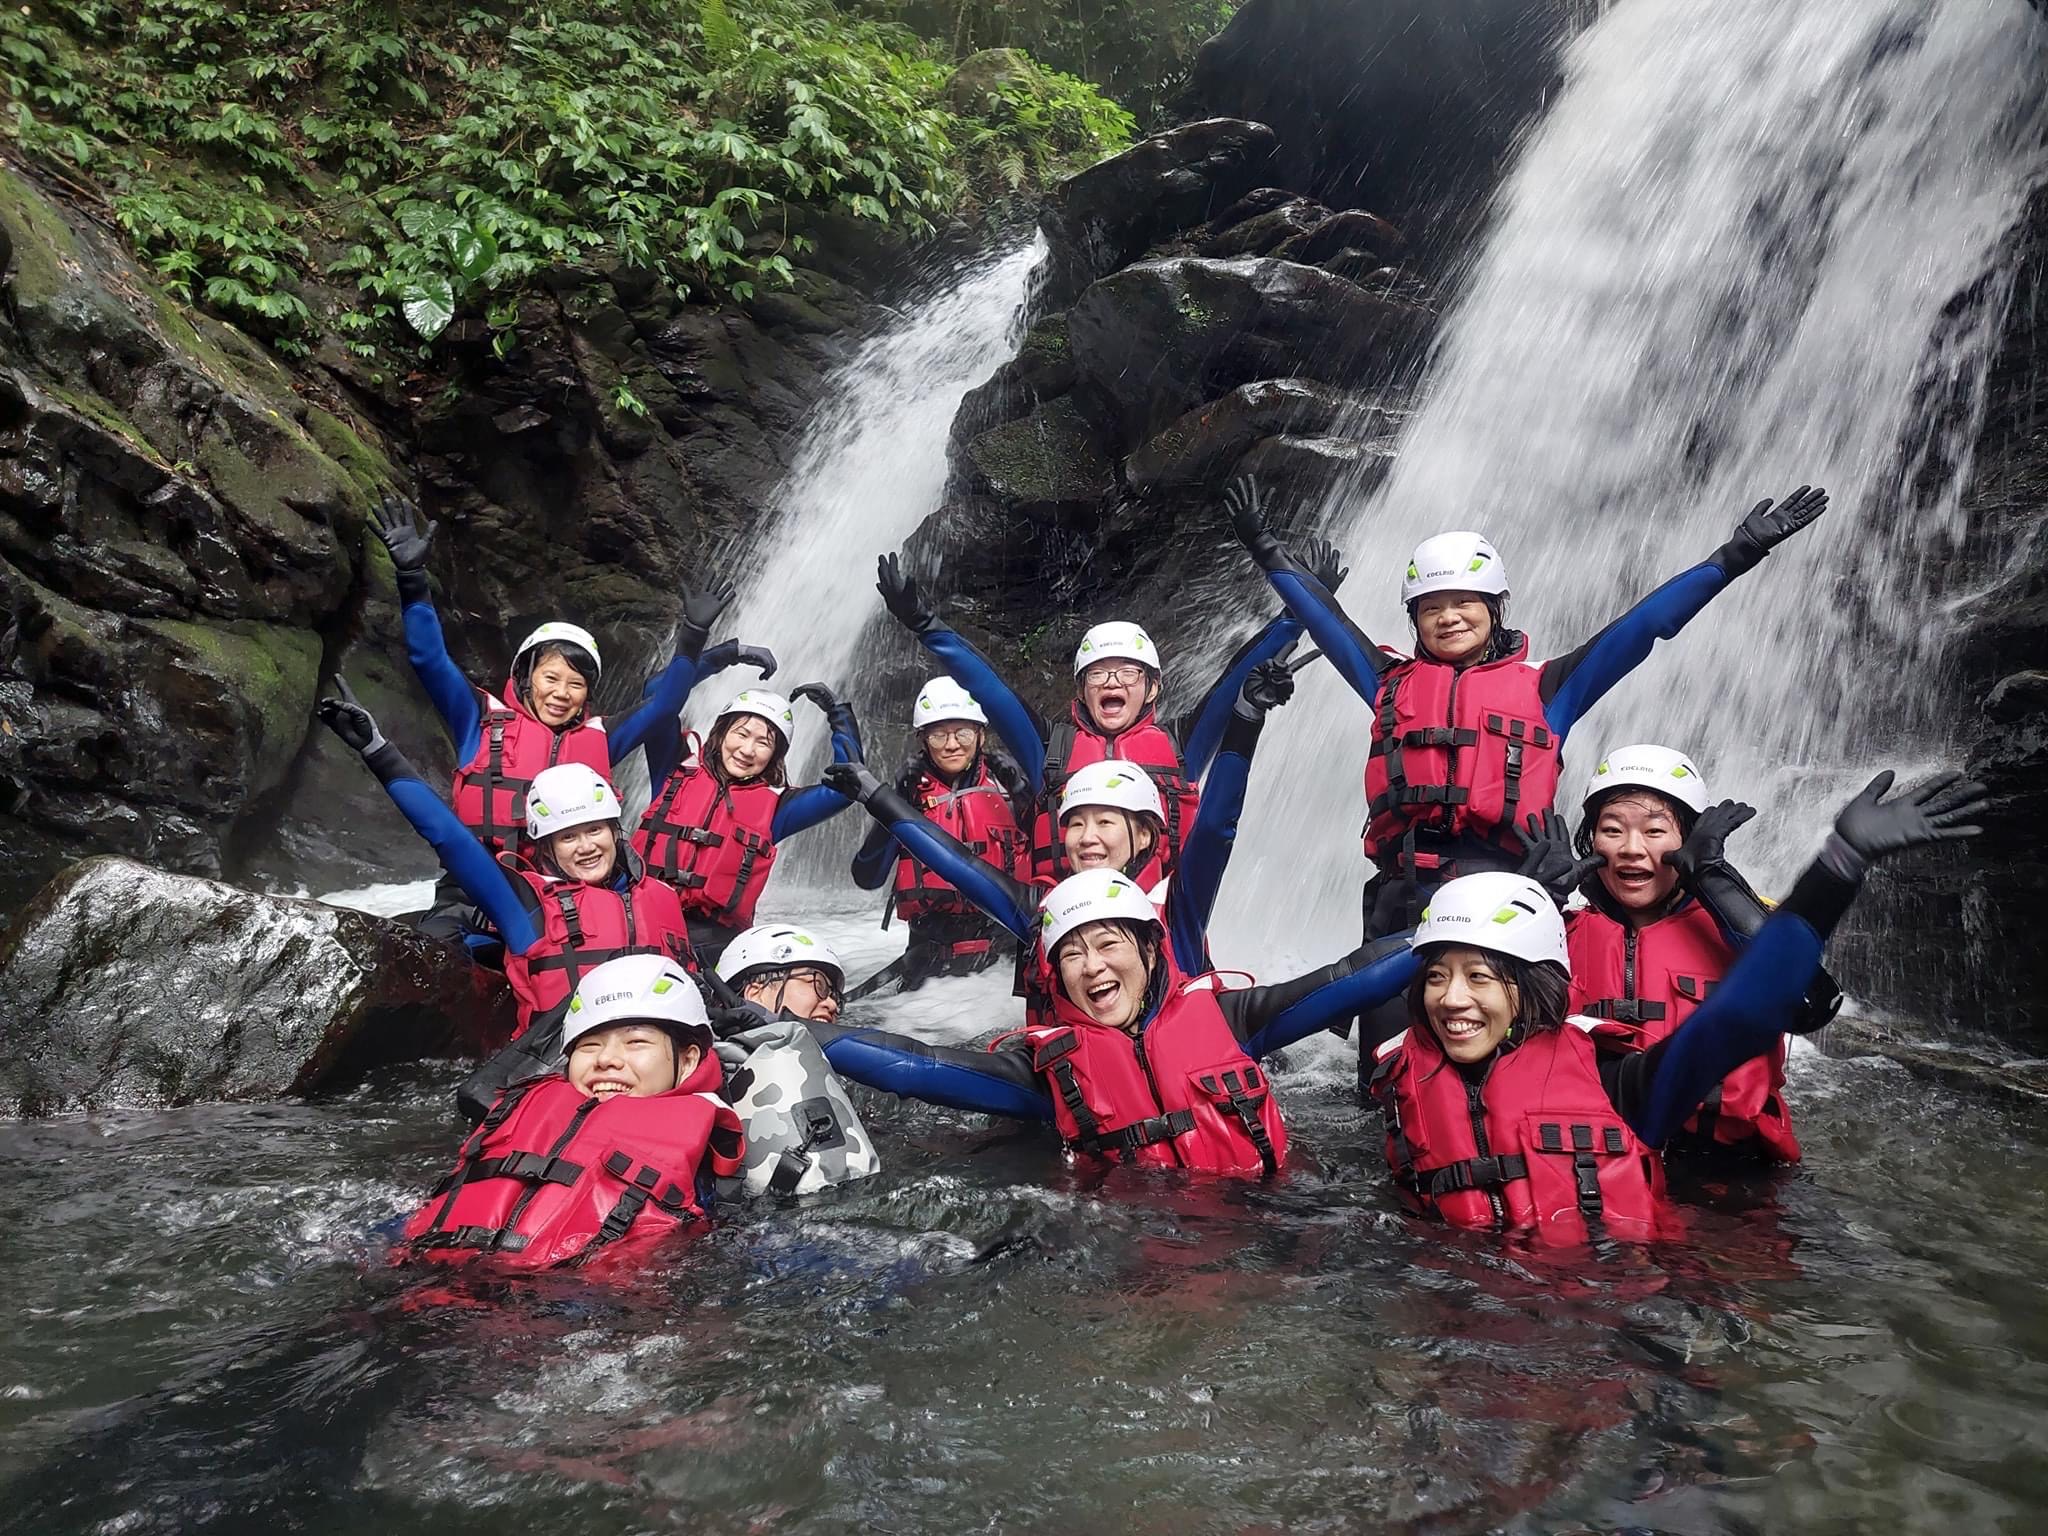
1270 685
1246 509
355 725
1709 838
701 608
736 1019
1871 828
901 596
1552 862
730 653
398 527
838 713
856 781
1769 525
1325 562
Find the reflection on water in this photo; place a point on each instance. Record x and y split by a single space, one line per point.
206 1337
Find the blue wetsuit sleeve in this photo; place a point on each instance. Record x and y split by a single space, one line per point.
1201 730
1572 685
998 1082
1742 1018
875 859
449 691
1357 660
1267 1019
1016 724
661 703
479 875
1009 901
1205 853
802 809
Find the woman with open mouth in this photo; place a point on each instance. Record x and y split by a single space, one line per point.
1502 1111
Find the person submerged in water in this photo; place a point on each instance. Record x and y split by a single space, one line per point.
1502 1112
1665 917
1118 675
1138 1062
605 1158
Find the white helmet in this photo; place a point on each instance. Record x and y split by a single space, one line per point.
557 633
633 988
1671 774
1107 642
770 706
1454 562
1093 896
770 946
1113 782
568 795
1495 910
944 699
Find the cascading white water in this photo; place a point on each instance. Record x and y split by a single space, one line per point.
1753 244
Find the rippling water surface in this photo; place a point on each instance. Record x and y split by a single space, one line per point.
206 1335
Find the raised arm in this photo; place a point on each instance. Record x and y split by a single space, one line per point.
1205 853
1307 592
662 700
1571 685
451 694
997 1082
1201 730
875 860
802 809
461 854
1267 1019
1009 901
1016 723
1744 1016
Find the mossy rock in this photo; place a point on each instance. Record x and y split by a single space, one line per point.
1047 458
271 669
46 253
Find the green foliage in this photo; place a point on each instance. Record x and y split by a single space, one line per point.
1138 51
437 158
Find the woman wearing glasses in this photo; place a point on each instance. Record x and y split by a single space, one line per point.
1117 678
977 797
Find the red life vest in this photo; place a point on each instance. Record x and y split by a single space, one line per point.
1182 1094
489 792
582 926
713 841
978 813
1538 1149
1642 983
1458 753
553 1177
1076 744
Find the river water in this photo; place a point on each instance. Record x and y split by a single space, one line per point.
205 1335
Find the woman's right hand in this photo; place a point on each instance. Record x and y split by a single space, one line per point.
901 596
398 526
1937 810
355 725
854 780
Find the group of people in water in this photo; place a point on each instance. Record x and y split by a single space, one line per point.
1543 1013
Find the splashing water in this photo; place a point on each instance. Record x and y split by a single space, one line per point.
1752 245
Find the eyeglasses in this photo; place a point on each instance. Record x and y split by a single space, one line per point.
1125 675
950 735
820 982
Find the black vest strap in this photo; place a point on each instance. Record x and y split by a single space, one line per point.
1625 1010
1245 1096
1139 1133
1050 1057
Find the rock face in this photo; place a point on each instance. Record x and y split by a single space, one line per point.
184 559
123 986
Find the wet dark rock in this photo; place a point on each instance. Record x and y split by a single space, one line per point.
1978 1065
1042 370
124 986
1110 213
1409 108
1257 201
1352 229
1303 470
1262 233
1204 445
1159 338
1045 464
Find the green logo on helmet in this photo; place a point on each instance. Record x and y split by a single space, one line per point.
541 810
1045 919
1114 889
662 985
1680 771
1413 574
576 1004
1509 913
1478 560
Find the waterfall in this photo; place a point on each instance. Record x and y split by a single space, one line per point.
1752 244
870 468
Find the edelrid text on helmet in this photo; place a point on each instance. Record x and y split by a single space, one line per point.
568 795
1115 783
1645 765
1454 562
1116 642
773 946
1507 913
1093 896
634 989
557 633
943 699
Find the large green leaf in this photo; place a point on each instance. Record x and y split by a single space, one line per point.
427 222
473 251
429 304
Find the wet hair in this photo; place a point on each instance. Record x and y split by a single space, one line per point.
584 664
1542 987
1500 640
1151 941
713 755
1684 815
